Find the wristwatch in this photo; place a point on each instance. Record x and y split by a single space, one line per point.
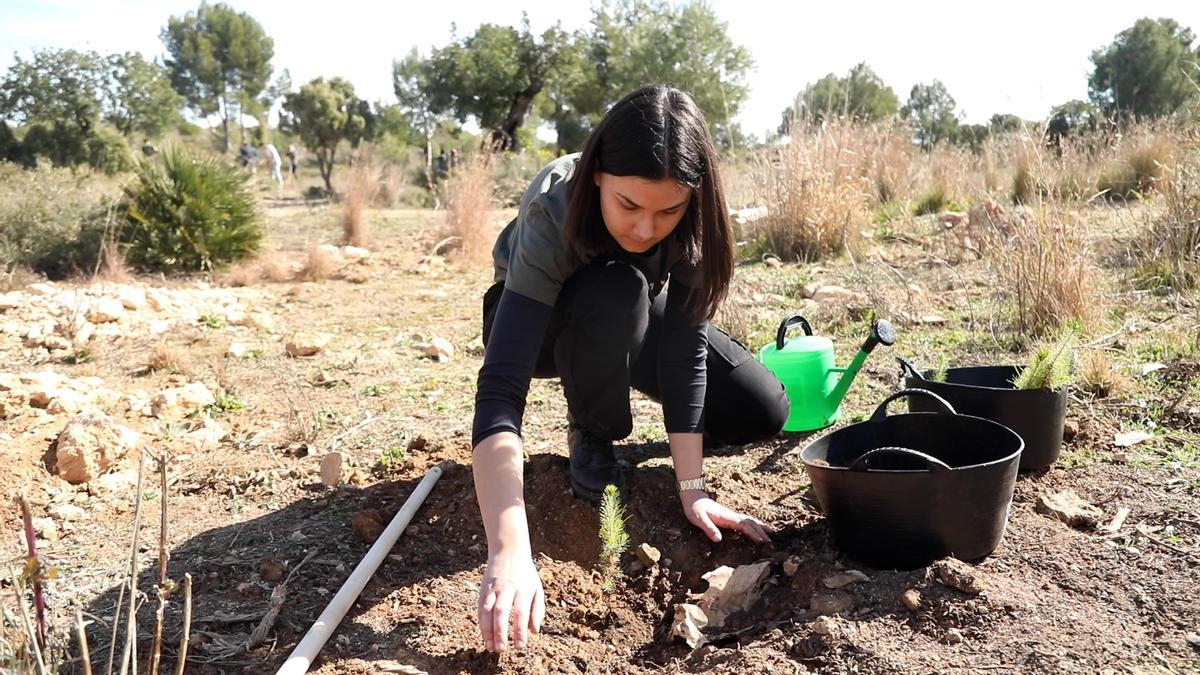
693 484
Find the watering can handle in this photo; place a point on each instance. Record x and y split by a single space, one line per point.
908 369
881 411
932 463
788 323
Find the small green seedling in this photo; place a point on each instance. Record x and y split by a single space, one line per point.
1050 365
211 321
614 540
392 456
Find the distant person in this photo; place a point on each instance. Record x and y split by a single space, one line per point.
580 296
293 158
248 155
442 166
453 158
275 162
149 149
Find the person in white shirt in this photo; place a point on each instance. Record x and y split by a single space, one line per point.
275 162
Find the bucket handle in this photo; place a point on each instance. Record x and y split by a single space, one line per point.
788 323
907 369
932 463
881 411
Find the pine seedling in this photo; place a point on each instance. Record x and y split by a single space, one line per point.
614 540
1050 366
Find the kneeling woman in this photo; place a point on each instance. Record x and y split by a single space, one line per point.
580 274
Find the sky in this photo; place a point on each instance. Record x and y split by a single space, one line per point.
1018 57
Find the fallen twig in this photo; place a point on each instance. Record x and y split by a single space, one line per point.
278 595
163 556
333 443
1117 521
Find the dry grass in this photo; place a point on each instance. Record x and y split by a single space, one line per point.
817 193
1139 163
1046 271
318 265
169 359
469 202
1097 375
360 185
391 186
1169 249
242 274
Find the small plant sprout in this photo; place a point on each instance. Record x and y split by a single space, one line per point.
212 321
1051 364
614 540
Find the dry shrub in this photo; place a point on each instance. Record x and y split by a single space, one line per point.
1143 157
1097 375
815 192
360 184
469 193
1169 250
390 187
274 268
318 265
112 263
242 274
1047 273
168 359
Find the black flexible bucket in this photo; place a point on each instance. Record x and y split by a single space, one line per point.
1037 415
901 491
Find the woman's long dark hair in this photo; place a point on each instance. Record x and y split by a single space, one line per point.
658 132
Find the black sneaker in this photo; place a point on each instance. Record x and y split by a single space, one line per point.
593 466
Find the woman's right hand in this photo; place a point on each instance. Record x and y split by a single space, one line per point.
510 585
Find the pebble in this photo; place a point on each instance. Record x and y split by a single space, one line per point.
954 636
911 599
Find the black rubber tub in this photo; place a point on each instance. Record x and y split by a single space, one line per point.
901 491
1037 415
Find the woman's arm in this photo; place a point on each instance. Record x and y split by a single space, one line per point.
510 583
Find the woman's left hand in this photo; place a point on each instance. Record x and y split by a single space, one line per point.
707 514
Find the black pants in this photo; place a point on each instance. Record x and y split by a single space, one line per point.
604 321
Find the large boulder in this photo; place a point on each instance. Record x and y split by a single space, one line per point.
89 444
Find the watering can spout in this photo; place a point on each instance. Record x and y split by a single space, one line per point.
882 333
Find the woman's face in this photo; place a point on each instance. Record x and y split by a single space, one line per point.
639 212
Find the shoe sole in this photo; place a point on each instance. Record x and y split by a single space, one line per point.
591 496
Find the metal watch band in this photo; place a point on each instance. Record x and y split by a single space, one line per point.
693 484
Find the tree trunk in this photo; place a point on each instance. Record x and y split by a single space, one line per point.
325 163
506 136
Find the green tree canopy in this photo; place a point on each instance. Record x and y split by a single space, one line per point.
1072 117
140 97
220 61
323 114
1149 70
930 109
58 96
861 94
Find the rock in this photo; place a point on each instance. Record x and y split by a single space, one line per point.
307 344
437 348
792 565
824 625
648 555
9 301
132 297
831 602
42 289
772 260
158 299
205 434
106 310
958 575
331 469
235 316
158 326
732 590
89 444
476 347
354 252
261 321
66 402
911 599
811 289
181 401
954 636
689 623
1070 430
66 512
1069 508
933 319
271 570
431 294
368 525
1129 438
845 579
1193 639
237 350
836 294
52 342
952 219
46 528
117 481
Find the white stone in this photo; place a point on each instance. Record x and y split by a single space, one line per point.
237 350
106 310
181 401
307 344
355 252
159 326
205 435
66 512
67 401
42 289
158 299
45 528
262 321
9 301
89 444
132 297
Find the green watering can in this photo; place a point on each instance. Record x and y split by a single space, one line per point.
806 368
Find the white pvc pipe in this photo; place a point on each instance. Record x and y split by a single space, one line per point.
304 653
